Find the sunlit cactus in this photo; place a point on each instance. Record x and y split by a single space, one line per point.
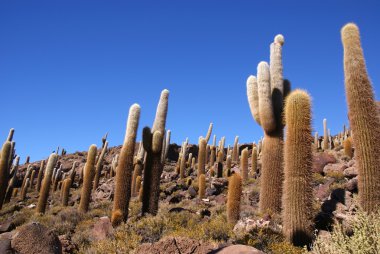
364 119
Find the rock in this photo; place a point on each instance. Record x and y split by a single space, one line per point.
175 245
192 191
322 192
35 238
320 160
351 163
238 249
5 243
219 184
105 191
220 199
102 229
352 185
175 199
338 167
211 191
350 172
7 226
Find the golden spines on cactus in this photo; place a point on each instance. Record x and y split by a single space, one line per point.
364 118
202 186
233 198
46 182
201 156
244 164
125 167
266 104
298 157
347 146
88 177
4 155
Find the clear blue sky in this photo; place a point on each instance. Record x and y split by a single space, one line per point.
69 70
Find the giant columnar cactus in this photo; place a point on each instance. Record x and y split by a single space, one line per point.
10 135
152 141
13 180
235 151
208 135
266 97
25 189
32 176
244 164
125 168
138 167
298 157
88 177
73 173
115 159
201 156
165 149
40 175
364 119
202 186
29 170
254 161
4 155
99 165
182 167
44 191
325 144
66 191
220 158
316 141
233 198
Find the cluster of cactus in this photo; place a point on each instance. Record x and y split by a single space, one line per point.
266 96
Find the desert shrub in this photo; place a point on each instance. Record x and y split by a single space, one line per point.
365 237
318 178
337 175
285 248
261 238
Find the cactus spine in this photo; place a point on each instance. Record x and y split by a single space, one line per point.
125 168
4 156
88 176
364 118
244 164
152 141
233 198
298 192
45 187
266 97
202 186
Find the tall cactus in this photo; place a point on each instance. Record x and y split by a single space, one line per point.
244 164
201 156
99 165
138 166
298 156
88 177
40 175
66 191
45 187
235 151
266 97
202 186
4 156
208 135
125 168
254 161
364 119
152 141
233 198
325 144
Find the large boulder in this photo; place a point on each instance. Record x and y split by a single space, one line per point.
175 245
102 229
5 243
320 160
238 249
35 238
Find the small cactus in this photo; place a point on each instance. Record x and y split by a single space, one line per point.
24 191
235 151
66 191
347 146
89 173
364 119
233 198
40 175
219 172
298 156
325 144
124 168
45 187
99 165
